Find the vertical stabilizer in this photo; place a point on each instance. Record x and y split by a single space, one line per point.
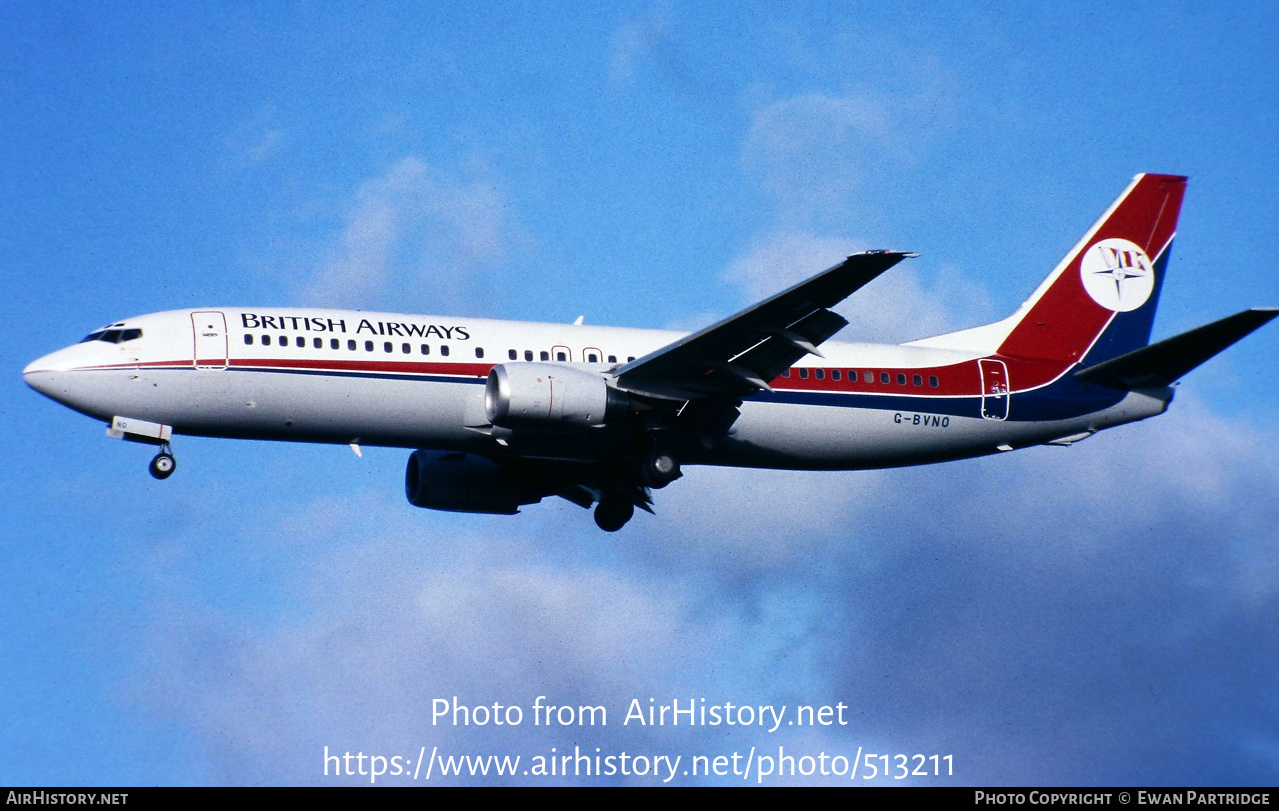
1099 302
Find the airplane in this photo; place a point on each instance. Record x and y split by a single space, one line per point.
503 414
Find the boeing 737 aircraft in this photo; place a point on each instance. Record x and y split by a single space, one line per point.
501 414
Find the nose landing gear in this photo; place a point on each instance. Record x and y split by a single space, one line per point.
163 465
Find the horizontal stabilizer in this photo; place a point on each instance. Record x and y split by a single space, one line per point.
1165 362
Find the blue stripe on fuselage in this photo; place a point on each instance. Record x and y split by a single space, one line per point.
1066 398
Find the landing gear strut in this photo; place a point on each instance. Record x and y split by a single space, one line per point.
612 513
163 465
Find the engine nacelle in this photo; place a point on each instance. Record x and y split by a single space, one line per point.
547 396
465 483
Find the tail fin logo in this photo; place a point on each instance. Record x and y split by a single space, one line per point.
1117 274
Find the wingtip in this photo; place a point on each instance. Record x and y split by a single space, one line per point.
886 252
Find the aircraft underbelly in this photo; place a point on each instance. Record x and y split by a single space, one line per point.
290 406
833 437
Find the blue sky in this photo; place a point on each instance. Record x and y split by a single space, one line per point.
1103 614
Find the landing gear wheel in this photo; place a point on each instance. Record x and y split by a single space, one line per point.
163 465
660 469
612 514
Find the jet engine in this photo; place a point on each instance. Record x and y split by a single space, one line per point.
466 483
547 396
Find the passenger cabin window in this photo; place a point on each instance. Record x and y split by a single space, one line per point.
834 374
334 343
386 346
559 356
544 355
479 352
932 381
512 354
318 343
917 380
885 378
528 354
630 358
350 345
821 374
406 349
612 358
592 358
300 341
867 377
426 349
786 373
803 374
266 340
368 346
248 340
444 350
901 379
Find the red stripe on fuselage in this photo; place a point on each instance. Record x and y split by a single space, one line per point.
388 367
954 380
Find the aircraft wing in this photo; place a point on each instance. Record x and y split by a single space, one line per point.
738 356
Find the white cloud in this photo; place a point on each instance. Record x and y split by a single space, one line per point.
257 138
741 522
392 620
1001 609
418 229
896 307
812 152
634 42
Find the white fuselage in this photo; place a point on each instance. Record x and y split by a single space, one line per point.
418 382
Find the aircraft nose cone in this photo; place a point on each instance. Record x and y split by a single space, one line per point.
39 374
49 374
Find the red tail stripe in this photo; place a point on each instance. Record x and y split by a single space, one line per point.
1065 321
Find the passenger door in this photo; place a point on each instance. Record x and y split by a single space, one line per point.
994 389
209 329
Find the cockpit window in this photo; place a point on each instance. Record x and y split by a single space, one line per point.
113 336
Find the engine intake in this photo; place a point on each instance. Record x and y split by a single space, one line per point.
547 396
465 483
